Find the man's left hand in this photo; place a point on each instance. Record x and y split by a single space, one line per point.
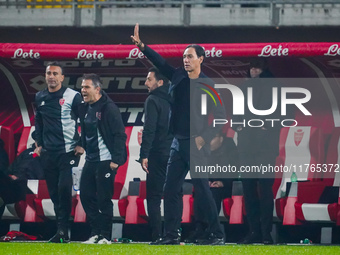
113 166
217 184
78 151
199 142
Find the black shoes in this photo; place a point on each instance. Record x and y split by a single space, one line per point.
167 240
251 238
257 238
267 239
158 240
196 236
211 240
60 237
170 238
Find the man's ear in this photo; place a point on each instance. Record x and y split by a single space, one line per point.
201 59
98 89
160 83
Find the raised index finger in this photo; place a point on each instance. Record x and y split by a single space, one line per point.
136 34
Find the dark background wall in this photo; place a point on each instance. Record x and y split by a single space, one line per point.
162 35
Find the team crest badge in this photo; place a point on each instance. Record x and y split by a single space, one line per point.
298 135
99 115
61 101
139 136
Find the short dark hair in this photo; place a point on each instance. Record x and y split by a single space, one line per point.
56 63
261 63
199 49
95 80
158 75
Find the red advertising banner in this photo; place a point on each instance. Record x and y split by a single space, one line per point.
99 52
123 69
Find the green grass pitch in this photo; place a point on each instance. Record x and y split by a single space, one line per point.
38 248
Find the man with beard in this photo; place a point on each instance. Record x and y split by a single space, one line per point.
155 147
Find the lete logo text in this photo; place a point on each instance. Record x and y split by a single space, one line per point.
333 50
20 53
269 51
83 54
137 54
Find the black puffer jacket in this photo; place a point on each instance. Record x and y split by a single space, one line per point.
156 137
111 128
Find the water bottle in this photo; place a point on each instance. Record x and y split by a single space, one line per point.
293 177
121 240
305 241
124 240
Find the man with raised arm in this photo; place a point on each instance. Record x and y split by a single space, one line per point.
189 140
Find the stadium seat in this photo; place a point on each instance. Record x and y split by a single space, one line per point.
121 184
43 203
300 147
23 210
188 212
321 202
234 207
26 139
135 203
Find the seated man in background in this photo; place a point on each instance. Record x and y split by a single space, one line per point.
10 191
4 161
223 153
27 165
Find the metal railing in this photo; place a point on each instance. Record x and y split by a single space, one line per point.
178 13
157 3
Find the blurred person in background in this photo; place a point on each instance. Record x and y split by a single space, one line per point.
258 146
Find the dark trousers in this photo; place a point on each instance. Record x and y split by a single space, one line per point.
96 191
58 174
154 191
258 194
178 167
12 191
219 194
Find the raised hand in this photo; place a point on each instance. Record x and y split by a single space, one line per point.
135 38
